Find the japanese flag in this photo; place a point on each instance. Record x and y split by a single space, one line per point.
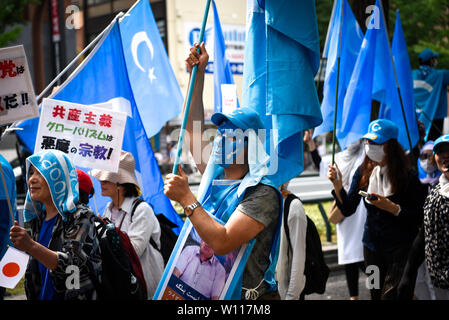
12 267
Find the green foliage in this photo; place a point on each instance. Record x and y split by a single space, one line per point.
12 14
314 214
19 289
323 12
425 24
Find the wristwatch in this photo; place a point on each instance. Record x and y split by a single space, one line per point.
188 210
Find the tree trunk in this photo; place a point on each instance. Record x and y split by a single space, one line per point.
38 50
359 7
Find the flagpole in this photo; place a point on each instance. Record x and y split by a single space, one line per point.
396 78
190 93
70 65
337 83
431 122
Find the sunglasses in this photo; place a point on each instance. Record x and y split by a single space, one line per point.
424 156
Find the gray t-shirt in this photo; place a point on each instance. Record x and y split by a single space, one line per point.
261 203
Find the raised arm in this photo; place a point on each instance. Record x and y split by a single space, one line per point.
195 123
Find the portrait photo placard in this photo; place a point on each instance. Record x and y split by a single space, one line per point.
195 272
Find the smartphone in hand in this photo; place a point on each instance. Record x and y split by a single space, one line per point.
367 195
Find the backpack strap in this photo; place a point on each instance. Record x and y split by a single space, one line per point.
136 203
287 203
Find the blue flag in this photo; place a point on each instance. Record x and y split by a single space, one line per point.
151 76
427 92
345 45
404 73
103 77
222 67
373 78
282 56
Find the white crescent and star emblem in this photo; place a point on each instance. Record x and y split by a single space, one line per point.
376 127
136 41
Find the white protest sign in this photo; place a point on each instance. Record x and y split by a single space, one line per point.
228 98
91 136
17 99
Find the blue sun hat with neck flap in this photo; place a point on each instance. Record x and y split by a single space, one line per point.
62 180
249 122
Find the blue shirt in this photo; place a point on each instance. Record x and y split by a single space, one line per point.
47 289
5 220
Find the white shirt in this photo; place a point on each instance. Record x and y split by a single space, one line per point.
291 262
350 230
144 225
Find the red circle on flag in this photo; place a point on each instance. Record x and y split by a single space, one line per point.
11 269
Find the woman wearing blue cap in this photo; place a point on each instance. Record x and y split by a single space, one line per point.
63 246
239 196
394 201
432 242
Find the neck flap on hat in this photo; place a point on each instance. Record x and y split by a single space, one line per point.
62 179
258 160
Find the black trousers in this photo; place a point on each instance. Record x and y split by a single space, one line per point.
390 266
352 277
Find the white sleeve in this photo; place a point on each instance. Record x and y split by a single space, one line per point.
297 223
142 227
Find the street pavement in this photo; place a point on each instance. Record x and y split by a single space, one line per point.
336 288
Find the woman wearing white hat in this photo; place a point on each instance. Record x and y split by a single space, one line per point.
141 226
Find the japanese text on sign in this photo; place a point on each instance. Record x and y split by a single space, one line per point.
91 136
17 100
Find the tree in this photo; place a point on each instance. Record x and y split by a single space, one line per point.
425 23
12 15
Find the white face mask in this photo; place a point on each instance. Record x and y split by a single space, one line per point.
375 152
427 166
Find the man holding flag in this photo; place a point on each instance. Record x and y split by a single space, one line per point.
249 207
241 175
430 90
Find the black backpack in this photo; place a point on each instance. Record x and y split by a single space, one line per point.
168 236
121 273
315 270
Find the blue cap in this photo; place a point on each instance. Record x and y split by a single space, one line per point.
243 118
440 141
381 130
427 54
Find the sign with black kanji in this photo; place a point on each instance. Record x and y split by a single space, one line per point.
91 136
17 99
